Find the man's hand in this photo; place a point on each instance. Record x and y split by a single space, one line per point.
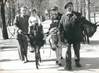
19 31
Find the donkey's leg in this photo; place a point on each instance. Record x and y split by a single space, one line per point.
39 54
88 41
68 58
36 56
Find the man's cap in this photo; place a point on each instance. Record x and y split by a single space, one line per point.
54 8
69 3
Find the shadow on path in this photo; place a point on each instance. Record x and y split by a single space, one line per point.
94 42
87 64
6 60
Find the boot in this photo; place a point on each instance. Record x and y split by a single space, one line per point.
68 66
77 64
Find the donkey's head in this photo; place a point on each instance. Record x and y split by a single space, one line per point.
89 27
34 29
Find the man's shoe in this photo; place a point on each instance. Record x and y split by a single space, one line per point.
78 65
25 61
68 68
32 51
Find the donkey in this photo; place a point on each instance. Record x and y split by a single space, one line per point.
36 37
89 29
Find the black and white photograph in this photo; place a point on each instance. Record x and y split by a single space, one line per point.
45 36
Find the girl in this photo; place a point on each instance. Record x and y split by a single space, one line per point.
33 19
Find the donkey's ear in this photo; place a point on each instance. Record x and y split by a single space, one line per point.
97 23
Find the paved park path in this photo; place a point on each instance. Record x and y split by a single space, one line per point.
10 63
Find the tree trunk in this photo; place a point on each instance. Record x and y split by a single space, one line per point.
4 27
82 7
76 7
88 9
84 11
94 14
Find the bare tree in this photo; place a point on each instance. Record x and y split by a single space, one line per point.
37 4
88 9
4 27
82 7
76 5
10 5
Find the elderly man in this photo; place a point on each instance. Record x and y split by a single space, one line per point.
21 22
70 28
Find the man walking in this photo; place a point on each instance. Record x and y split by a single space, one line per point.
70 27
21 22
